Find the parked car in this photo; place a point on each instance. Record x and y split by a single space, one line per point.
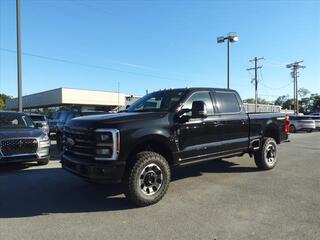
64 117
21 140
316 119
165 129
53 123
301 123
40 120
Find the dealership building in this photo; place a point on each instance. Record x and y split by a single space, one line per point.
64 98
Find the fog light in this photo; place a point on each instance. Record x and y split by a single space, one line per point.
103 151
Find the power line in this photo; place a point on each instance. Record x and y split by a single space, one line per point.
95 66
276 88
255 68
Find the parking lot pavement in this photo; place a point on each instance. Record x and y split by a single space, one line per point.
222 199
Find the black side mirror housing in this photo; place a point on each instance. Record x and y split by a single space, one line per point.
199 109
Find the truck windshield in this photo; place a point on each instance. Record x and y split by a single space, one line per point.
162 101
15 121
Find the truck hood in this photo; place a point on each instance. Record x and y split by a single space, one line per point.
96 121
20 133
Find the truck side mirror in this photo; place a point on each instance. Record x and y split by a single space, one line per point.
127 106
199 109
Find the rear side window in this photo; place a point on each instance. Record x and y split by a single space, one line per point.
37 118
199 96
227 102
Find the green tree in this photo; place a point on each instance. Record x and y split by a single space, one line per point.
303 92
252 100
3 99
249 100
2 105
315 103
281 100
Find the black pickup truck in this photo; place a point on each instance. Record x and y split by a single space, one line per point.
164 129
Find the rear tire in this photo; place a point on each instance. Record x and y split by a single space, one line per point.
266 157
147 180
309 131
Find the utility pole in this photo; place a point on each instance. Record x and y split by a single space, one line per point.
295 66
19 56
255 68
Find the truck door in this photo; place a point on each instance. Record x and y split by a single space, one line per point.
234 121
198 137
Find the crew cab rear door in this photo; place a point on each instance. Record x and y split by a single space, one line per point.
234 121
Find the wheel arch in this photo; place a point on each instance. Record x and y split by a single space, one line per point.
156 143
272 131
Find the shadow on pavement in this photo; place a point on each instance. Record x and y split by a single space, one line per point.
52 190
212 166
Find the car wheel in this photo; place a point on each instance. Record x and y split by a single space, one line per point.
292 129
148 179
309 131
266 157
43 161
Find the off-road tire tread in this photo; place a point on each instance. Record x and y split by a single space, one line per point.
141 159
259 155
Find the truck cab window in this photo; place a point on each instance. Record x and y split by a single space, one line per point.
199 96
227 102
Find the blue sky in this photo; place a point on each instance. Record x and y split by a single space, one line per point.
158 44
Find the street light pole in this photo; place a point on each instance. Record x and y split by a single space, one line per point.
19 56
232 37
228 64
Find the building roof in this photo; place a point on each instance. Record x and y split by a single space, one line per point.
68 96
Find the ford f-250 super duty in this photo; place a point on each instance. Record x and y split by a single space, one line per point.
168 128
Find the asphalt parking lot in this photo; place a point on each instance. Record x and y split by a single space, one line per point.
222 199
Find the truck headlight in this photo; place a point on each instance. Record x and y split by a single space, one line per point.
108 144
104 137
104 151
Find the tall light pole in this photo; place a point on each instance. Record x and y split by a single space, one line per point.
19 56
231 38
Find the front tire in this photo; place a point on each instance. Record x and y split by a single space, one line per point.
266 157
148 179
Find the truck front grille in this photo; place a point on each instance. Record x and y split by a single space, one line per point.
80 142
12 147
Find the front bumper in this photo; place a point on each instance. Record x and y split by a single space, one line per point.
43 152
22 158
98 171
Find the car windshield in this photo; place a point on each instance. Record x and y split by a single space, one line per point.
162 101
15 121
